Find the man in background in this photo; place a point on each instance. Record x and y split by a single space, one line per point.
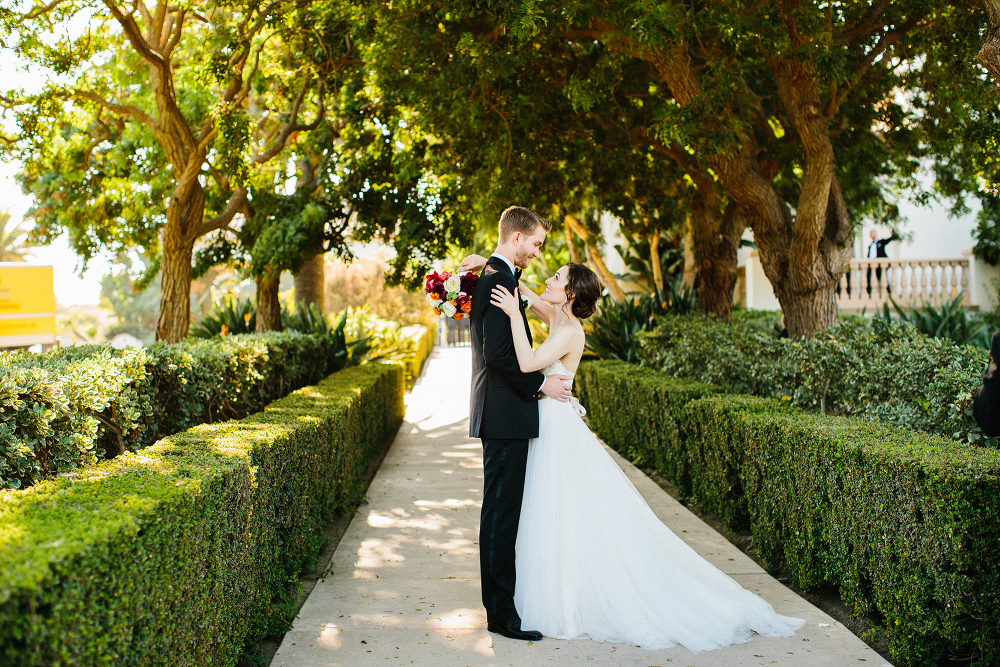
876 249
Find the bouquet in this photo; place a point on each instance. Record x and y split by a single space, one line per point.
450 293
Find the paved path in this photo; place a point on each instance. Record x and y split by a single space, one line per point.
404 587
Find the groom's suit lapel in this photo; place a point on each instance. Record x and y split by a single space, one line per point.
498 264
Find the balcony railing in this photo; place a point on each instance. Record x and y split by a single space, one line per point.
869 283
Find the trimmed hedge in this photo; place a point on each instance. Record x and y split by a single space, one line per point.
903 523
182 553
422 346
627 400
72 407
874 370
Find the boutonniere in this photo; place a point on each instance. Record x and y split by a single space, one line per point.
525 302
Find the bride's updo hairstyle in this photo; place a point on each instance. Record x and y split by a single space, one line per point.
583 288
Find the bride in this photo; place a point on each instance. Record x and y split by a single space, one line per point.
593 560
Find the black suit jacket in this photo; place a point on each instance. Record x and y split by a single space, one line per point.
504 400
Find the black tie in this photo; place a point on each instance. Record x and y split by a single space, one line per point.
517 274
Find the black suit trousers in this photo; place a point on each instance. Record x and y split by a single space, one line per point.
504 463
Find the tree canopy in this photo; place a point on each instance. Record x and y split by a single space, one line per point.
268 133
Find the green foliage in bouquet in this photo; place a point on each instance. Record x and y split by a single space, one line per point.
182 553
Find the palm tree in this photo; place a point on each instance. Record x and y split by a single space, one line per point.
13 245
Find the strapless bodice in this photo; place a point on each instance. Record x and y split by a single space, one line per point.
556 368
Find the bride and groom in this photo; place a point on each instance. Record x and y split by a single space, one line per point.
568 547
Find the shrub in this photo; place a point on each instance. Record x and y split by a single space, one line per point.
882 371
613 333
74 406
177 554
422 345
903 523
234 316
948 320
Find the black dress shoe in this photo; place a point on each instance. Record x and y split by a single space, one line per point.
512 629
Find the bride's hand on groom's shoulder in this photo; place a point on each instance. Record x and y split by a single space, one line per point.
504 300
472 263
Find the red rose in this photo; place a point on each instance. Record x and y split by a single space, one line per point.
432 281
469 282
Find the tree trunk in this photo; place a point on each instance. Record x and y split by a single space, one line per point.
654 258
268 307
711 238
596 261
175 300
717 239
183 214
574 256
808 312
310 282
803 258
690 266
989 53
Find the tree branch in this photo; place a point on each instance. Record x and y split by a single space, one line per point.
151 23
293 125
235 205
868 23
175 36
40 11
138 42
122 109
884 42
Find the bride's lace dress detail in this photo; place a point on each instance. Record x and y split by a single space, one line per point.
594 561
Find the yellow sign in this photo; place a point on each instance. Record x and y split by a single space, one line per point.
27 305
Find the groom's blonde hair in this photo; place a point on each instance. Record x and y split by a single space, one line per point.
520 219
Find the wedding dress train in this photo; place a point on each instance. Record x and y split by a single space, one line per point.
593 560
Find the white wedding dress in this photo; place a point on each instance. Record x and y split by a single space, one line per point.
594 561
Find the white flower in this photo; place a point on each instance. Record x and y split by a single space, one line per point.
453 284
433 300
448 309
525 301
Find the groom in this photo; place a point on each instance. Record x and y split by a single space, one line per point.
504 414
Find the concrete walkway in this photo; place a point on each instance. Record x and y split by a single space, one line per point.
404 582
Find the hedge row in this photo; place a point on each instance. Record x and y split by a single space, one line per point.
874 370
182 553
72 407
423 345
903 523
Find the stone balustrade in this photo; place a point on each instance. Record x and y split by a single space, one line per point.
869 283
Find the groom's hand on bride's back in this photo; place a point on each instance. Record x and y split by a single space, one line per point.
556 387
